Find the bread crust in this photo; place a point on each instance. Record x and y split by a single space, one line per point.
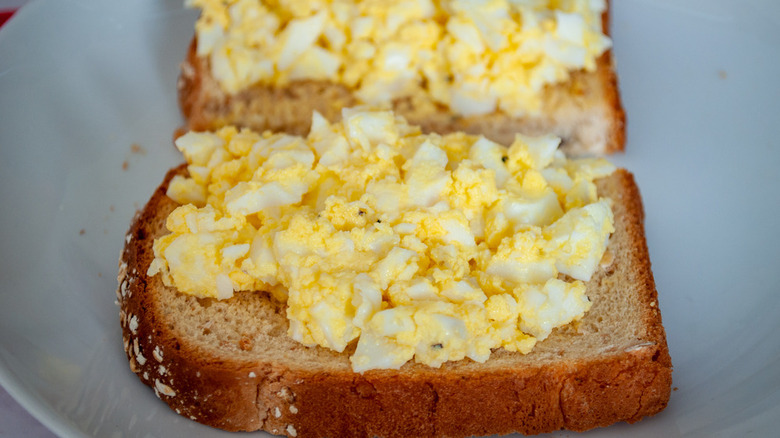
586 112
547 390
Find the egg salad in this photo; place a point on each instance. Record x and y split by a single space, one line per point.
472 56
419 246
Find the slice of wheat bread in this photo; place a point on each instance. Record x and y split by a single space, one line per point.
585 112
229 364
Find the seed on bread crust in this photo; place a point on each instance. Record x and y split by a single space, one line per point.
133 325
157 353
164 389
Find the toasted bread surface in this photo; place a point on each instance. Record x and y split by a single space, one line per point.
230 364
586 111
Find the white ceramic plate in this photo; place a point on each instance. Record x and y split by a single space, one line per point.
82 82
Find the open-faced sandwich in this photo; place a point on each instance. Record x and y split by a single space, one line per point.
370 279
492 68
